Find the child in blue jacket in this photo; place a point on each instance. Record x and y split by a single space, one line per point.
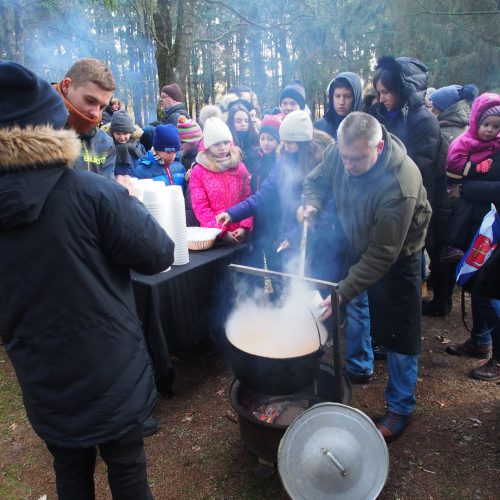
159 163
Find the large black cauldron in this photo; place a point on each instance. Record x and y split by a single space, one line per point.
274 376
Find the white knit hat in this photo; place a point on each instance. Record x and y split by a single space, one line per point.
215 131
297 126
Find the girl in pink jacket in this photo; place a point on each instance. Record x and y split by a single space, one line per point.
219 180
470 153
470 158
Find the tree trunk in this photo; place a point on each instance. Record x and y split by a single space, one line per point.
7 40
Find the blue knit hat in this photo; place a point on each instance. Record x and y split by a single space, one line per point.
166 138
26 99
445 97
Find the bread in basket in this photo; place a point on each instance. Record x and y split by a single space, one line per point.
201 238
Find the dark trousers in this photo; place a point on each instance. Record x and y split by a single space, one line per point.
126 462
460 224
395 302
442 277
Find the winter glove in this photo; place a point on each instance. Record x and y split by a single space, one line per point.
484 166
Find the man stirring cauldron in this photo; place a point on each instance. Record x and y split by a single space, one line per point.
382 206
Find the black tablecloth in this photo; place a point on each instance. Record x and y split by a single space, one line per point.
180 307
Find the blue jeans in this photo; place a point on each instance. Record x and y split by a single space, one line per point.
400 390
359 355
486 323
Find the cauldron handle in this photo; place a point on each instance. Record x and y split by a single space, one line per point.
321 348
338 396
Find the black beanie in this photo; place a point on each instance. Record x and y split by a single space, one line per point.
121 122
26 99
295 92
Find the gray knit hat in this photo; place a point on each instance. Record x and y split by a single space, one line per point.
297 126
121 122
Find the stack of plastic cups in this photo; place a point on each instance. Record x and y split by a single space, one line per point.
176 223
155 199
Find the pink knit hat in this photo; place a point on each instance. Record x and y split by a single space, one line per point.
189 130
493 111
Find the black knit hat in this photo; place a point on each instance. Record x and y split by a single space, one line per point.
26 99
121 122
296 92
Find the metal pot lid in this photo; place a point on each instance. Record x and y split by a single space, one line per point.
333 451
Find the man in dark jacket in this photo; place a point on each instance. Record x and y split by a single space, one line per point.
450 105
384 212
171 104
485 287
87 89
68 239
171 107
344 96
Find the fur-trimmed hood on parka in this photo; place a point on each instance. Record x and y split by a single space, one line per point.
320 142
136 134
24 149
32 161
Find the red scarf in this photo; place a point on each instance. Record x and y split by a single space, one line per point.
76 120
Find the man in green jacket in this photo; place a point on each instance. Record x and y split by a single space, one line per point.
383 209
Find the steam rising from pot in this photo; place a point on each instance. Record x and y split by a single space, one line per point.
285 330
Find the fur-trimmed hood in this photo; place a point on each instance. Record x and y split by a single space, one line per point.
320 142
24 149
136 134
32 162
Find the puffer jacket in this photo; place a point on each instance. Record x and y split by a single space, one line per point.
467 149
68 240
481 191
414 124
384 212
331 121
149 167
214 192
280 194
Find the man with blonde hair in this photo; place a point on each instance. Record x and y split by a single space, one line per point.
87 89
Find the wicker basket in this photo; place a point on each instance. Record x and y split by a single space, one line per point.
201 238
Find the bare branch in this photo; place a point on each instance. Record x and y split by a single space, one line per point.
264 27
464 13
238 14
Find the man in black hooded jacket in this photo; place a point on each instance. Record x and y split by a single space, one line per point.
344 97
68 239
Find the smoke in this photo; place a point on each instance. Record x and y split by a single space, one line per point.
55 34
283 330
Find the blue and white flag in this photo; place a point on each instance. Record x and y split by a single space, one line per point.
483 245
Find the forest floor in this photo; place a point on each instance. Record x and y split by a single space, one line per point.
450 450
